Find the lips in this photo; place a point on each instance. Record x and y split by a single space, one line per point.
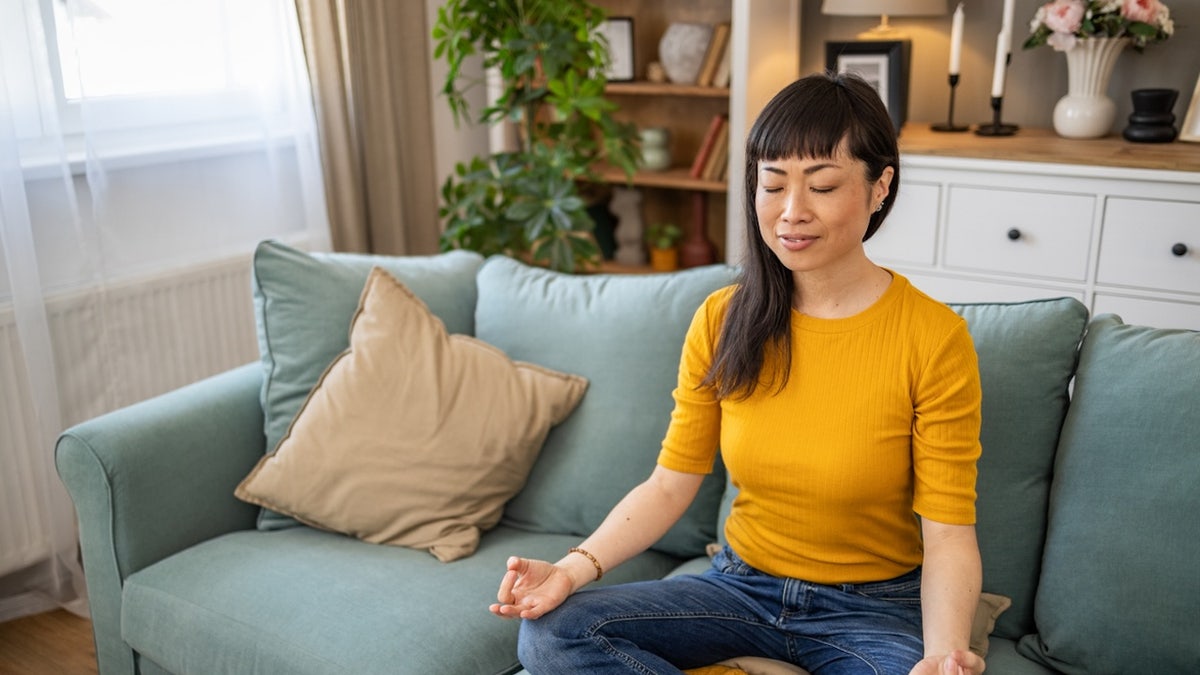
796 242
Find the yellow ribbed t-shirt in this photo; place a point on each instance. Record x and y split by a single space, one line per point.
879 422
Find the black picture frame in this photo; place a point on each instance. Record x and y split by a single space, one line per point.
618 32
883 63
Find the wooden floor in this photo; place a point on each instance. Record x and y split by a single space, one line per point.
55 643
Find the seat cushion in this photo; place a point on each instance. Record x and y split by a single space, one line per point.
1119 577
303 601
624 333
1027 354
303 303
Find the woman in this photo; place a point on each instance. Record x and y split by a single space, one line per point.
843 400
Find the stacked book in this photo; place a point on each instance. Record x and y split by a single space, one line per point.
713 157
714 71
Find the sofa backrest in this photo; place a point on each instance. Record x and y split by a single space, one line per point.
625 334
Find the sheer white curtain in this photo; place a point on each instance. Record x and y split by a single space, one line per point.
138 139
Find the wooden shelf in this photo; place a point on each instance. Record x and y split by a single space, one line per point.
645 88
1043 145
673 179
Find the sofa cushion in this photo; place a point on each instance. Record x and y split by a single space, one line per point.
303 303
624 333
1027 354
1119 579
302 601
412 437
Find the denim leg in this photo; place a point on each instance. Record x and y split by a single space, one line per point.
658 626
731 610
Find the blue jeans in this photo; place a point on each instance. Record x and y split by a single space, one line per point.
730 610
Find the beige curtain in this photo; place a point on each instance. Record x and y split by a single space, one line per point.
368 61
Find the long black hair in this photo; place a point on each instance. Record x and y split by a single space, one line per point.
811 117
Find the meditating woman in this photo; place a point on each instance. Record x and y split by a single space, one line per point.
845 404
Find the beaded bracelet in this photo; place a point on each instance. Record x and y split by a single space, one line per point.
589 556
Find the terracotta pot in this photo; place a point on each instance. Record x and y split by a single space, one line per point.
664 259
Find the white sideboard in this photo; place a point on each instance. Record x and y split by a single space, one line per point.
1111 223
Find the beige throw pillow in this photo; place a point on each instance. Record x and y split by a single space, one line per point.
412 437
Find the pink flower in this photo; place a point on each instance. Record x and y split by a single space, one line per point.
1141 10
1066 16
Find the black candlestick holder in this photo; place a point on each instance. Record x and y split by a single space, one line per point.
949 125
996 127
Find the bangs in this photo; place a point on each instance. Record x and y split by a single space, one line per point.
812 128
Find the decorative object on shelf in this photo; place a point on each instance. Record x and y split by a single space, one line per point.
883 9
1191 122
626 205
956 36
1092 34
663 240
882 63
655 72
997 126
618 31
526 202
656 156
1153 117
682 49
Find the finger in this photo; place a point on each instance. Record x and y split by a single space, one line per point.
505 594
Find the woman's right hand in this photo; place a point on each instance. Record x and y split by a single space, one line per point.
531 588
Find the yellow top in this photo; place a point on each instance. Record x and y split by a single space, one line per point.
879 420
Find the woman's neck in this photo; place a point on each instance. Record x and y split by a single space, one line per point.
842 293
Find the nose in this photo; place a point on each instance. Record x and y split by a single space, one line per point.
795 207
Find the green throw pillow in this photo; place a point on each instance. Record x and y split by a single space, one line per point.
1119 577
624 333
1027 354
303 304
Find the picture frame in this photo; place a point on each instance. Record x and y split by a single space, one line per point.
1190 131
884 64
618 32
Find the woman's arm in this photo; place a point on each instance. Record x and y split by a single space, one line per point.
531 588
950 579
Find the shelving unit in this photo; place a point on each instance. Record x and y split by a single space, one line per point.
765 55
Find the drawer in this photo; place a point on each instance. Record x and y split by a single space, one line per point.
1137 241
953 290
1149 311
909 235
1036 234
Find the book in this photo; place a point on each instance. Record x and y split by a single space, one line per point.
719 157
712 56
721 77
706 145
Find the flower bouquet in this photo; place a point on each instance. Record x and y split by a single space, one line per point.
1061 23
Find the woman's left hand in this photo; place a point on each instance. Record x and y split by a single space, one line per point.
958 662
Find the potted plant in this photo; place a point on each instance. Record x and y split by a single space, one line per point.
663 240
551 59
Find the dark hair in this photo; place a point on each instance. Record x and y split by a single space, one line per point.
809 118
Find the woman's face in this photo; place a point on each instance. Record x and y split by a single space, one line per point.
813 212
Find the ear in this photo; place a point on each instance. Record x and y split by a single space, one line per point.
883 186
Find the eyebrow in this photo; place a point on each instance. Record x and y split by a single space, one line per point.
808 171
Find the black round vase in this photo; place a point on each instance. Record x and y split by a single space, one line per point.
1152 120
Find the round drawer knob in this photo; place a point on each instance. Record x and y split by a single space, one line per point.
1014 234
1179 250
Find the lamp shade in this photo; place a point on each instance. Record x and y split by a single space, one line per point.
882 7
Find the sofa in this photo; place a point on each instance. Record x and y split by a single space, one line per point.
1088 499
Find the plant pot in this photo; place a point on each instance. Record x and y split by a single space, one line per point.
664 259
1087 111
1152 120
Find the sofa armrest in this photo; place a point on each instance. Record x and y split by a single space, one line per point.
154 478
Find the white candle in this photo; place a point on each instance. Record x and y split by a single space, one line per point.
1006 24
956 34
1002 42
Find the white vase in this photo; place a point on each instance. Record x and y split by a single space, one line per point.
1087 111
681 50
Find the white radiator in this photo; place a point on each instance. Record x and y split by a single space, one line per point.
114 347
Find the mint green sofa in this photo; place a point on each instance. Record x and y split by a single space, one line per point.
1089 507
